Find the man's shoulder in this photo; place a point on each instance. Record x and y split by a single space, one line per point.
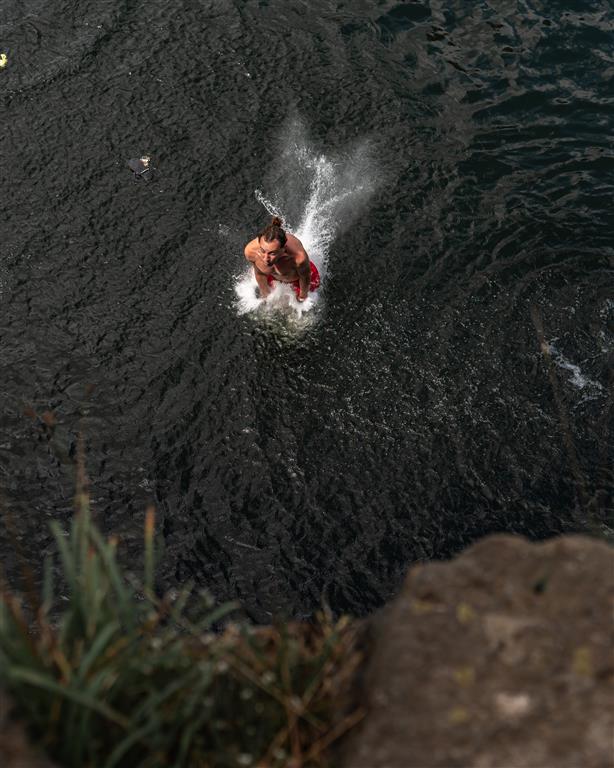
250 247
295 244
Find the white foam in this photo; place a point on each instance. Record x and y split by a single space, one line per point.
316 196
578 379
281 298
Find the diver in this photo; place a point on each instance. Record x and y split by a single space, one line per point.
278 256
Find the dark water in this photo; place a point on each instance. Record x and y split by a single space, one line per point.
413 411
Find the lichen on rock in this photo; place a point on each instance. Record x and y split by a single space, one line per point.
510 667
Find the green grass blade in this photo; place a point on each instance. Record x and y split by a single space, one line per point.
146 711
68 562
216 614
149 551
194 722
97 647
138 735
98 586
126 604
17 674
48 584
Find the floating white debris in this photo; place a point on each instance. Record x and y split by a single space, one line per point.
141 167
578 379
4 60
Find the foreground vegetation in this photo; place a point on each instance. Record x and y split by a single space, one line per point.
113 675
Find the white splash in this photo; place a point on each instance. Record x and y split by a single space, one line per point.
317 196
577 378
282 298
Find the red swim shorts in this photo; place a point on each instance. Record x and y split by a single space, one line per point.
313 283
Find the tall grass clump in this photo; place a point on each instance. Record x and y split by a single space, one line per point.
113 675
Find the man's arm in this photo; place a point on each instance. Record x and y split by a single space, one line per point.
263 283
304 274
261 278
248 252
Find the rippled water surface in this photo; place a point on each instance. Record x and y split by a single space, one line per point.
449 165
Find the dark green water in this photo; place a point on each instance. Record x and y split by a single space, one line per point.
451 166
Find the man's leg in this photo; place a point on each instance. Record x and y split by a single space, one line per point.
314 281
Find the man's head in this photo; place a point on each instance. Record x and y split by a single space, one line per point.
272 241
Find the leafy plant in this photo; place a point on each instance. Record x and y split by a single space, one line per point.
113 675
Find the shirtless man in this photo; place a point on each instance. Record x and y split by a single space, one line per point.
279 256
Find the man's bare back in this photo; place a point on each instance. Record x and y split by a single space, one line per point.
285 261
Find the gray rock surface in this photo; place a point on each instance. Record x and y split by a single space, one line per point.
500 658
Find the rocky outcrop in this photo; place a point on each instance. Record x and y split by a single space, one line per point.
501 658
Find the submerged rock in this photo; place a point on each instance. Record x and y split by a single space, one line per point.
501 658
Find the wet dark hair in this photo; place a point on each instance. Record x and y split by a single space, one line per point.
273 231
